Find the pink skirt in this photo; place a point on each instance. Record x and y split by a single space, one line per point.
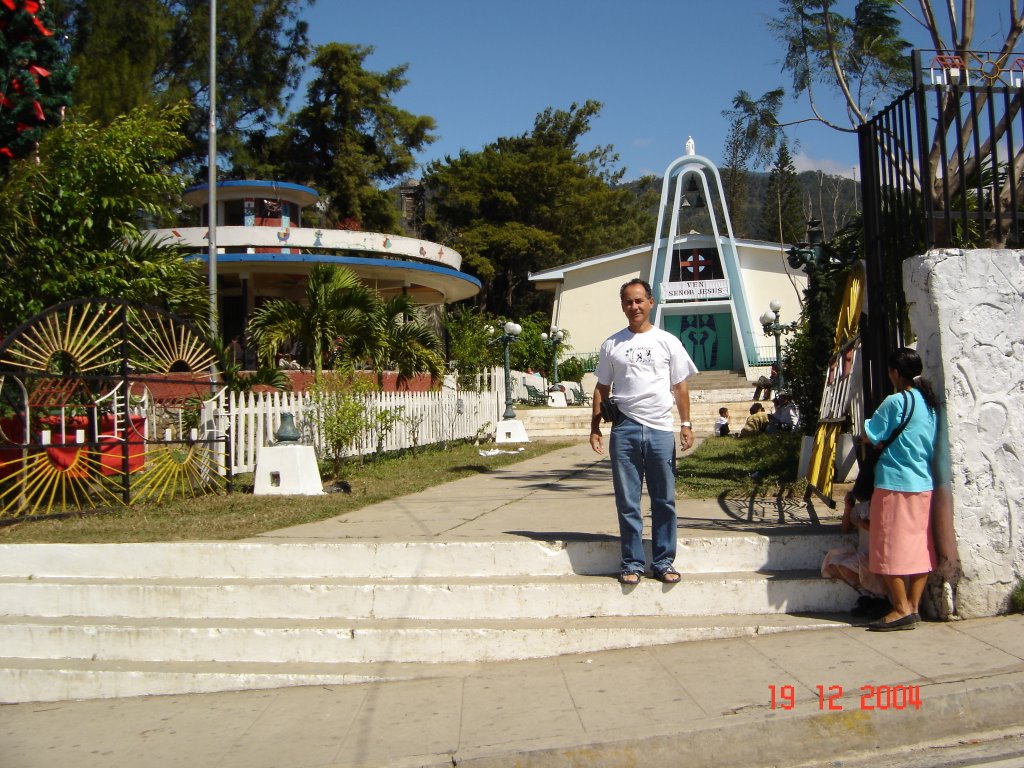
901 533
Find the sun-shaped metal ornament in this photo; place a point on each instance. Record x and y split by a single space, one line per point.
105 402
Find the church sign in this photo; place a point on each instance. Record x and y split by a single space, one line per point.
695 289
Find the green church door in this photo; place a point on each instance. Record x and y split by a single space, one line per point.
707 338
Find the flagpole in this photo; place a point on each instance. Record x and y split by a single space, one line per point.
211 216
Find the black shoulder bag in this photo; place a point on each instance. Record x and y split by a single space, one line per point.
864 485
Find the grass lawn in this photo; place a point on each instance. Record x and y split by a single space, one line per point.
763 465
240 515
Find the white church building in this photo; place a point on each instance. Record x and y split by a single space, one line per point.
710 288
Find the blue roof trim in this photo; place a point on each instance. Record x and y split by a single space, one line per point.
257 183
311 258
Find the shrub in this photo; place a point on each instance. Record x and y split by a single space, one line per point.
1017 597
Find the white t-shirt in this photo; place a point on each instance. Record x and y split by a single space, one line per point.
641 369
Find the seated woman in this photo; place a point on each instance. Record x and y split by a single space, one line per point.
852 566
787 415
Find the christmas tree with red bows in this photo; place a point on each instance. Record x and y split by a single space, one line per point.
35 79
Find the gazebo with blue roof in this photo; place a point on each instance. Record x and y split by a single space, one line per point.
263 251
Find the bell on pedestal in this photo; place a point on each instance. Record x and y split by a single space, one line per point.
287 432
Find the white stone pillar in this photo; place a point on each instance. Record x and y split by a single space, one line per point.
967 309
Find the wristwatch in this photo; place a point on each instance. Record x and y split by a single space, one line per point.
686 425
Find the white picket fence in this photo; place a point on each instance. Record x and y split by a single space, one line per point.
419 418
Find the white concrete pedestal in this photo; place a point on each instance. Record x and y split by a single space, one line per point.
806 449
556 398
511 431
288 470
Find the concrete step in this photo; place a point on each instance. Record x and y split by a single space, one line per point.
344 641
719 380
460 599
575 421
298 559
232 605
31 679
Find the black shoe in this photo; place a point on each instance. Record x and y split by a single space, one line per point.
910 621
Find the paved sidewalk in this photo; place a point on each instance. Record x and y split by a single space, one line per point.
704 703
564 495
694 704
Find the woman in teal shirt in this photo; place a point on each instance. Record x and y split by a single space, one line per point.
901 548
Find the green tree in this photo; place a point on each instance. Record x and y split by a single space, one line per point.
782 216
350 140
36 78
341 313
69 218
334 299
342 410
533 201
471 346
807 354
393 334
116 48
262 47
862 56
753 133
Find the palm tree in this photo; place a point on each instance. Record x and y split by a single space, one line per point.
393 334
386 333
335 301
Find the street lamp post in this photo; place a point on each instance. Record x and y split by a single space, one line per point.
772 327
556 338
510 335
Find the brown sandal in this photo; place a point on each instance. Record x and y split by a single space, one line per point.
667 575
629 578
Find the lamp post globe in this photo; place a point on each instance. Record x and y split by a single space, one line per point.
510 334
772 327
556 337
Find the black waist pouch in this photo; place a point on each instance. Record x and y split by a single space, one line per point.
609 410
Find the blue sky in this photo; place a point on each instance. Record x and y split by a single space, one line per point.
664 70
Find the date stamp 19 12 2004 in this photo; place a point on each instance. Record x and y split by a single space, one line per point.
872 697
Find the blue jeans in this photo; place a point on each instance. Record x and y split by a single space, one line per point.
640 453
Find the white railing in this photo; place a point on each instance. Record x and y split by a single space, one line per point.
422 418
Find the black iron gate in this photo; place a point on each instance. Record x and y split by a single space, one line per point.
942 166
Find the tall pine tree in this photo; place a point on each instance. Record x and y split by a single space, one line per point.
753 133
350 140
782 216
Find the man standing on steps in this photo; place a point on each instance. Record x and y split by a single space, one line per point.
642 370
